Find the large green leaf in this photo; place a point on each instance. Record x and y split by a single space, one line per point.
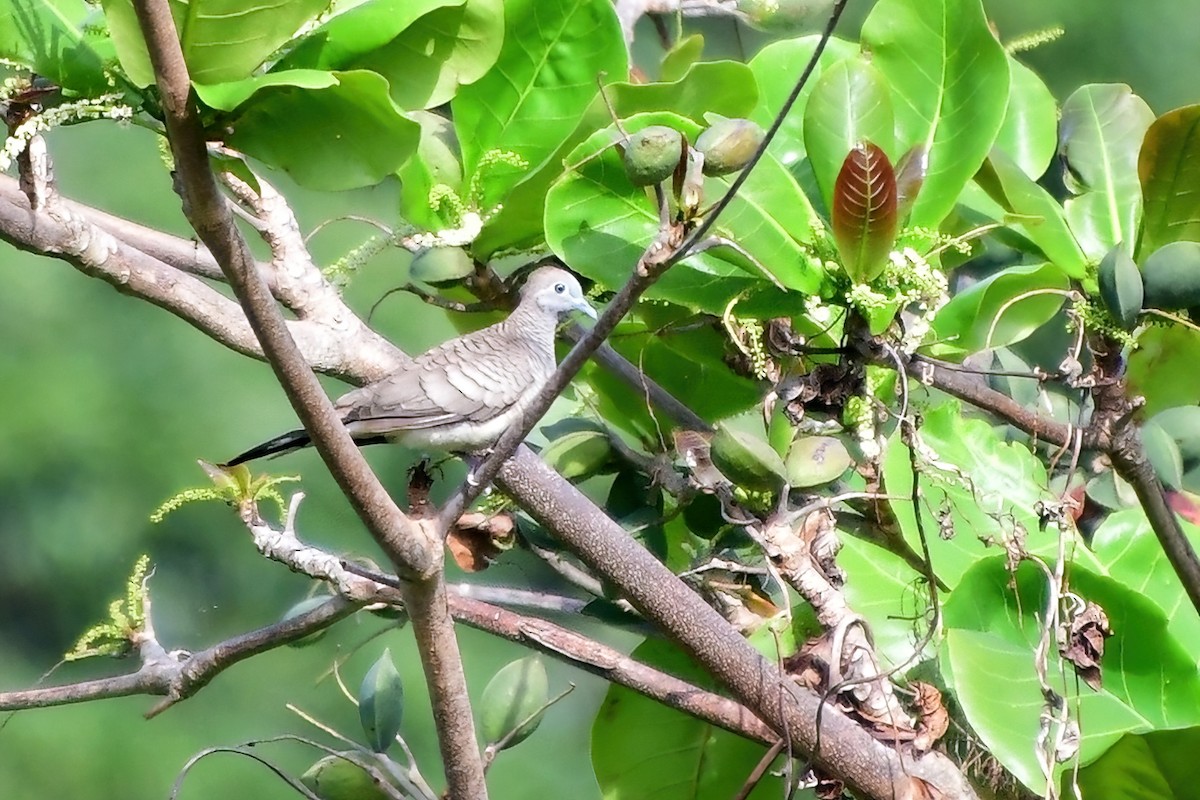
1169 171
1128 549
1149 681
600 224
435 163
642 749
888 592
542 82
776 68
1160 765
228 96
222 40
440 52
949 79
849 105
990 488
1099 137
1163 368
344 136
1029 134
1001 309
1032 211
49 36
350 35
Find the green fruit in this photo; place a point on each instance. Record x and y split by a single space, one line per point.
441 265
578 454
1121 287
335 778
652 154
729 144
1171 276
381 703
517 693
747 461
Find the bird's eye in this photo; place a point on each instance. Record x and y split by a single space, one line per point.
560 287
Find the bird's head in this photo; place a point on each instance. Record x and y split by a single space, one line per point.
555 291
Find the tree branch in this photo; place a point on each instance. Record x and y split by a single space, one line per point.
413 548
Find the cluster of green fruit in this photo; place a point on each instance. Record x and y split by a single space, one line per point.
654 153
1168 280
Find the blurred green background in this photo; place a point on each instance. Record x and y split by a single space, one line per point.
106 403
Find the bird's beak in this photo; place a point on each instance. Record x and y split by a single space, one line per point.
586 308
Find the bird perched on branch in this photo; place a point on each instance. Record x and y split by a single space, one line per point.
462 394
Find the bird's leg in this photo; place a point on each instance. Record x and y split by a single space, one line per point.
474 461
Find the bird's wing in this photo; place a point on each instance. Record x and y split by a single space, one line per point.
470 379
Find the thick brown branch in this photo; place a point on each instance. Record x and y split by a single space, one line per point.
847 750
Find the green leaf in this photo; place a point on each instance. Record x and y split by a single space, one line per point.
1183 424
1029 134
1163 368
228 96
864 218
1171 276
1128 550
542 82
578 454
381 703
1001 309
1160 765
48 36
446 49
643 750
775 69
1100 134
600 224
1033 212
352 34
436 162
1169 171
849 105
989 487
719 87
1121 287
345 136
1163 454
222 40
949 79
1149 681
680 58
519 691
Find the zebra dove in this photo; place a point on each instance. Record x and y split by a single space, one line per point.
463 394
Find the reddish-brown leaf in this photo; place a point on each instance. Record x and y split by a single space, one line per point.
910 176
865 219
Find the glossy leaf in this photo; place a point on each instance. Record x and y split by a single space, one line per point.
1163 368
1169 172
1001 309
442 51
644 750
436 162
514 700
600 224
1033 212
1099 137
305 132
887 591
1183 424
578 454
910 177
50 37
864 218
1129 551
1029 133
222 40
949 81
1160 765
682 56
228 96
720 87
542 82
381 703
775 69
1150 682
1121 287
1171 276
1005 483
850 104
1163 454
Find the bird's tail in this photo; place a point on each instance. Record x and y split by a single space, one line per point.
285 443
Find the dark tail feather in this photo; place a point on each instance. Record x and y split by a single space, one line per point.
286 443
292 440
